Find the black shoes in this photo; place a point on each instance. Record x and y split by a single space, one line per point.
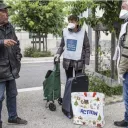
122 123
0 125
17 121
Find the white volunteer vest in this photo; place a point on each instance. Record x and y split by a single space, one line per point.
73 44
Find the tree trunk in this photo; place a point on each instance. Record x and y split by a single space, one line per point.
113 41
43 43
90 31
33 41
39 42
96 50
46 42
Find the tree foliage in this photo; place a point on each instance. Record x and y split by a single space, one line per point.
37 15
110 16
1 1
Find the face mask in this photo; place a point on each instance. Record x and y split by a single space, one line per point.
123 14
71 26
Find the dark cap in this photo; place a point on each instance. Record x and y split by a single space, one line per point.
4 6
73 17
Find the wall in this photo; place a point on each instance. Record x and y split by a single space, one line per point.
25 41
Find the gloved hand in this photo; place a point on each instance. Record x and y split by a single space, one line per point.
56 57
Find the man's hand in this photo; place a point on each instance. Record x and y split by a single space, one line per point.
120 78
56 57
9 42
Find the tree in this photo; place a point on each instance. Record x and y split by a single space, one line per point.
38 16
110 20
110 16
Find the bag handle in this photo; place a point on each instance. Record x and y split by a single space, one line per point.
77 63
56 64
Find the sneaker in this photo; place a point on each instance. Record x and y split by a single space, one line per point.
17 121
122 123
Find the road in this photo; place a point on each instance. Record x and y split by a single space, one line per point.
32 75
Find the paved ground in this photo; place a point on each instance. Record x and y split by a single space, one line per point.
31 106
33 71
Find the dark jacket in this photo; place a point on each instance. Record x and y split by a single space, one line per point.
10 57
85 56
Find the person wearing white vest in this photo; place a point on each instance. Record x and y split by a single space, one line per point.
121 55
75 47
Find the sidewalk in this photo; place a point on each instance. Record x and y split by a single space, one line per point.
31 106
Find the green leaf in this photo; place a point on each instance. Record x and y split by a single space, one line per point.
99 118
76 103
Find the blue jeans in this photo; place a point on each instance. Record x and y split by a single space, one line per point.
11 93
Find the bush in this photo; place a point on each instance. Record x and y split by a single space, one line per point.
28 52
31 52
97 85
108 73
41 54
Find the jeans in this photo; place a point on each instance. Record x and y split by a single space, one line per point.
69 72
11 93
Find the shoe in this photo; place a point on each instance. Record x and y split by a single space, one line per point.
0 125
17 121
122 123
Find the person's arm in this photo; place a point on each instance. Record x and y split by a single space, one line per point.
7 43
61 47
17 46
1 43
86 49
123 66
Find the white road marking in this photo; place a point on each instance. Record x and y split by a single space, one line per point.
30 89
35 89
30 62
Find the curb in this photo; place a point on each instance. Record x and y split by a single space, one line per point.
108 100
46 59
38 60
114 99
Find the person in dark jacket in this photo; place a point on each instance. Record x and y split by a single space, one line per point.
10 58
74 46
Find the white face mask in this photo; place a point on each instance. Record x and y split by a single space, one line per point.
123 14
71 25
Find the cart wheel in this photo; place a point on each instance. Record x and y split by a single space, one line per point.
60 101
52 107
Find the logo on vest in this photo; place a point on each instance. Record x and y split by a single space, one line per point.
71 44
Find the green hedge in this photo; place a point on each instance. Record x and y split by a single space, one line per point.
97 85
31 52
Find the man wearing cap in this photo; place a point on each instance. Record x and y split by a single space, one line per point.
74 46
122 65
10 58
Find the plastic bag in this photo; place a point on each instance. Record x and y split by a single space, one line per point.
88 108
